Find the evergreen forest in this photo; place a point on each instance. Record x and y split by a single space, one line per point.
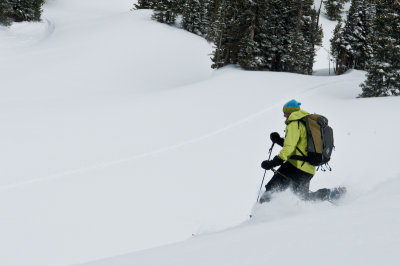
278 35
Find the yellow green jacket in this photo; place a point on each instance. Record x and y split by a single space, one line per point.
296 136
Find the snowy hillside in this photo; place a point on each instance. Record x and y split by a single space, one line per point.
118 139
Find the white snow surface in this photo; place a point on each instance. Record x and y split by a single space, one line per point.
118 139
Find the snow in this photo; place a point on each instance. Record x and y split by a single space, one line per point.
118 139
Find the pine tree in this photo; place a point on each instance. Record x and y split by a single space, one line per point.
6 12
273 37
209 10
27 10
250 56
217 33
20 10
334 9
216 18
303 36
227 31
287 33
256 28
145 4
165 11
383 77
192 17
263 46
313 32
350 47
178 6
336 50
276 35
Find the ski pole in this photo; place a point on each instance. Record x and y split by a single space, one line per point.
262 182
279 173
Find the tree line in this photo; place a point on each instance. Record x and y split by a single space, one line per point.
281 35
273 35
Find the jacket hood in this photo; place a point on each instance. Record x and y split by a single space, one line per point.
296 116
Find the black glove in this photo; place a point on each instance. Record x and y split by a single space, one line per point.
267 165
275 138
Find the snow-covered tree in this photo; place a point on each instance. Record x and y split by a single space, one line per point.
178 6
350 46
303 35
216 14
145 4
165 11
27 10
264 31
275 35
334 8
250 56
336 52
20 10
210 9
383 77
228 30
6 12
217 33
274 24
193 17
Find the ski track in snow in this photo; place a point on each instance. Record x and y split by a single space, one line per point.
26 34
98 166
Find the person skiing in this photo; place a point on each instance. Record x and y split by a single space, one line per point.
292 173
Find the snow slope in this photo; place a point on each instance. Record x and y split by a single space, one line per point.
117 136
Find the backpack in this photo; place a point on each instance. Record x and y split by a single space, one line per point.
319 140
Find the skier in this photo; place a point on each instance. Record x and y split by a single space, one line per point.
292 173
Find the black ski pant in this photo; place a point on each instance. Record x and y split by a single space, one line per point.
288 176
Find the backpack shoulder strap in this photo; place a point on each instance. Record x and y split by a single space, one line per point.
303 157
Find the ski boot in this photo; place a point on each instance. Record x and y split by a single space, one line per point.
337 193
265 197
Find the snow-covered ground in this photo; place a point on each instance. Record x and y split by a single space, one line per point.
117 136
